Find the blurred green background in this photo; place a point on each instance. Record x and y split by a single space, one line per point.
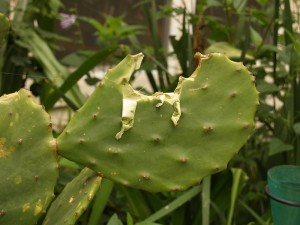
59 49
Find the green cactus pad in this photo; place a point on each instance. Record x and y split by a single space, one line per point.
167 141
28 167
74 199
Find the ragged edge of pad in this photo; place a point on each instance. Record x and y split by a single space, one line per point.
131 97
130 100
122 72
8 97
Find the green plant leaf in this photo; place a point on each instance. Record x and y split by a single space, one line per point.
239 180
258 218
179 201
4 26
296 128
114 220
227 49
129 219
264 87
147 223
74 77
77 58
136 202
214 3
262 2
255 37
55 71
239 5
296 42
277 146
206 200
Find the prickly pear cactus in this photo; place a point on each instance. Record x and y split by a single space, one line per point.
28 167
167 141
74 199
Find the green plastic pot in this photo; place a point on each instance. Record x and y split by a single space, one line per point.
284 190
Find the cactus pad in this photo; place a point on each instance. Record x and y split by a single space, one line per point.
74 199
28 167
167 141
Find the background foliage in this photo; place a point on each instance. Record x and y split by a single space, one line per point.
264 35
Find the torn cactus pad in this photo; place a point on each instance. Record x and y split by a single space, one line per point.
167 141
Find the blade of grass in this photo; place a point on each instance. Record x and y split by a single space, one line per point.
154 201
287 21
252 212
178 216
4 27
150 15
74 77
151 80
67 100
55 71
185 197
161 66
275 37
42 52
100 201
294 40
206 200
135 44
183 48
293 67
219 213
237 176
136 202
19 10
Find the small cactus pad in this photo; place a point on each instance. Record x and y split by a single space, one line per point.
74 199
28 167
167 141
